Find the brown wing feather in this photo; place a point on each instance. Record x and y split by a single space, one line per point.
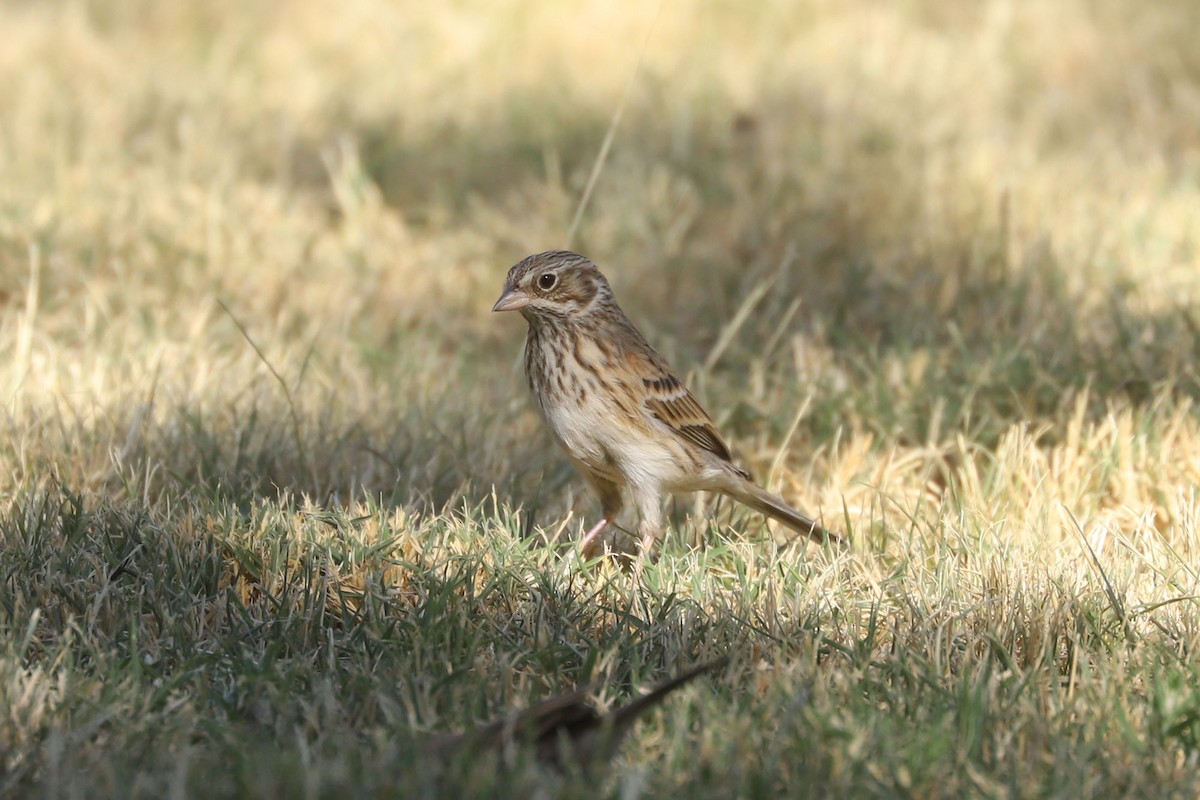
669 400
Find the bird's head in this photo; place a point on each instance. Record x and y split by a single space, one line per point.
554 287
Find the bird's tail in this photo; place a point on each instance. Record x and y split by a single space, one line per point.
761 500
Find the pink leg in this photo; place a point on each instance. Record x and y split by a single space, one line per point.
591 540
610 508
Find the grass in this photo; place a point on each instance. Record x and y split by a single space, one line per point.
274 505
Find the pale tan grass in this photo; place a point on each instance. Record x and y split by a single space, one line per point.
932 266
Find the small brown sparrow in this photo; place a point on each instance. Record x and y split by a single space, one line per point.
564 729
623 416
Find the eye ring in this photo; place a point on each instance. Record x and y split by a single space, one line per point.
547 281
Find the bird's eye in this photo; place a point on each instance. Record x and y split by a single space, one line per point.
547 281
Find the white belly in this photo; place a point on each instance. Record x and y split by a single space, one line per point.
622 452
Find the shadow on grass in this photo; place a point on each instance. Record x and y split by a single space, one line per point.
315 647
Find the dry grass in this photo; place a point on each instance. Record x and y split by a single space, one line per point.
964 243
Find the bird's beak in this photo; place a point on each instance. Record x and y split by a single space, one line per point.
511 300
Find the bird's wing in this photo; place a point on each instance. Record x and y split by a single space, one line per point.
669 401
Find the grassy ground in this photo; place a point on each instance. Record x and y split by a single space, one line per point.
274 504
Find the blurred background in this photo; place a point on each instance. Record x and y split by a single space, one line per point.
273 493
907 229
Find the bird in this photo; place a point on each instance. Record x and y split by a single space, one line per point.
623 416
564 730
